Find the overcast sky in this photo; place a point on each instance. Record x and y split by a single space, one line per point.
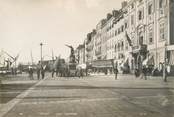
26 23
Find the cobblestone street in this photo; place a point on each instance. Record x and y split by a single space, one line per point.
93 96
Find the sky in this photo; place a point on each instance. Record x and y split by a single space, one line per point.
24 24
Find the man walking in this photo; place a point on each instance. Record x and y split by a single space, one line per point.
38 72
30 73
43 72
116 72
144 72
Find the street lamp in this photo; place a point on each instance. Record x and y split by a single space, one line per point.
41 44
165 62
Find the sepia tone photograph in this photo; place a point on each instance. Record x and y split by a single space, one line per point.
86 58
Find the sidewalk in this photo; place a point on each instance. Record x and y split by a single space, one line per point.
131 76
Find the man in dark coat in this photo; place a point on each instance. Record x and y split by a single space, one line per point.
38 72
43 72
116 72
30 73
144 72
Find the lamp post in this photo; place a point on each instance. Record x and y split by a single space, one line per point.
41 44
165 62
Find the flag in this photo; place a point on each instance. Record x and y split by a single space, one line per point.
128 39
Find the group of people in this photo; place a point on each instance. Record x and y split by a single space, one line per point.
54 71
40 70
141 73
138 73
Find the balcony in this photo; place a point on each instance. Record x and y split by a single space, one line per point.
97 53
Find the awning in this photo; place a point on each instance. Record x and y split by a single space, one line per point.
102 64
82 66
170 47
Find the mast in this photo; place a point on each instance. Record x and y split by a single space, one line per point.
31 54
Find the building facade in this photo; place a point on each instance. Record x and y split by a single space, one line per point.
140 33
80 54
89 47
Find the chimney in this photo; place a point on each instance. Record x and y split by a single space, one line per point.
115 13
109 15
124 4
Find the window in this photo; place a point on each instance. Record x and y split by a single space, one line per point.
112 33
118 46
160 3
112 25
150 9
132 5
122 28
162 31
115 32
126 26
118 30
122 45
150 35
132 19
140 15
126 45
141 38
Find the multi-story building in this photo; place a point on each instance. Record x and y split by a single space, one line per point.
89 45
98 40
138 34
80 54
149 30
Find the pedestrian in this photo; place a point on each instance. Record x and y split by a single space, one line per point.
53 71
168 69
116 72
38 72
144 72
80 72
30 73
52 74
42 72
137 73
57 72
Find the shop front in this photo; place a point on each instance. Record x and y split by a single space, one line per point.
138 57
171 60
102 66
